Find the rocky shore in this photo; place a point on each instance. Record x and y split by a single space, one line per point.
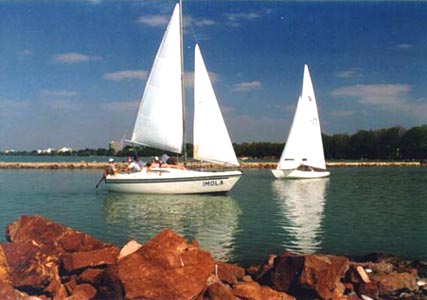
44 260
191 165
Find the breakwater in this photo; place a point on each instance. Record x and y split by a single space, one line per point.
196 165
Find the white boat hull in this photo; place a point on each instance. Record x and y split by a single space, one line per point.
298 174
173 181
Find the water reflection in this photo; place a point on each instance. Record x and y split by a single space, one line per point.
302 203
211 220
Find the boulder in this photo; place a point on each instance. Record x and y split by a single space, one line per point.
50 234
89 275
320 273
229 273
220 291
79 260
394 282
7 292
254 291
165 267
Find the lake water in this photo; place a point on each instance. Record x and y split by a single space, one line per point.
355 211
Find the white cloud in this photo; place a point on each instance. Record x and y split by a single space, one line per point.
375 94
126 74
58 93
26 52
120 106
351 73
403 46
73 57
247 86
386 97
190 22
235 19
62 104
154 20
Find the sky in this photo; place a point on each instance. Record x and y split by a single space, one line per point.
72 73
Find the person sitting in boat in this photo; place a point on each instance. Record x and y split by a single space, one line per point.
111 169
172 162
138 162
165 158
133 166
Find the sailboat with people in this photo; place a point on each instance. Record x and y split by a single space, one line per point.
160 124
303 155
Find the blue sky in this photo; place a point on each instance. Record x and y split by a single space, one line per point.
72 72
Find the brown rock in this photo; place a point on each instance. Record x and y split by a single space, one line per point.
320 273
394 282
323 273
86 290
219 291
28 265
254 291
7 292
109 285
369 289
89 276
53 235
79 260
166 267
229 273
4 270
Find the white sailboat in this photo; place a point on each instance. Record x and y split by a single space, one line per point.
303 155
160 124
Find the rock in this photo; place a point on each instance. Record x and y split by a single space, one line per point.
7 292
254 291
129 248
89 276
28 265
109 285
320 273
219 291
52 235
79 260
4 271
229 273
165 267
369 289
86 290
395 282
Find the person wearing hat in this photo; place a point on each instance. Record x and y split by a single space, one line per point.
111 169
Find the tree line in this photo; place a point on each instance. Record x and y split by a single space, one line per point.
395 143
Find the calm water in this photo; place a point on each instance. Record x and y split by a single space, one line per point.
355 211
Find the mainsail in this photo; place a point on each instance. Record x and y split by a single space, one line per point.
211 140
160 117
304 144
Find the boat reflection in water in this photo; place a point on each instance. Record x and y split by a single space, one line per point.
211 220
302 204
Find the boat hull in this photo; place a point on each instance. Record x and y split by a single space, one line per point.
298 174
174 181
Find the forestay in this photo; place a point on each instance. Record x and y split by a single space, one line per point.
211 140
304 144
159 123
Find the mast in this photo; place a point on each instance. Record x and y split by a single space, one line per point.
182 81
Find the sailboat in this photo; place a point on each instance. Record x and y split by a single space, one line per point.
160 124
303 155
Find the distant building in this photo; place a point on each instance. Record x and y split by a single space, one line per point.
116 146
64 150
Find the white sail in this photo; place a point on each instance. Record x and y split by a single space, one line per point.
304 144
159 123
211 140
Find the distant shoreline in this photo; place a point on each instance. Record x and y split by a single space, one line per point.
194 165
